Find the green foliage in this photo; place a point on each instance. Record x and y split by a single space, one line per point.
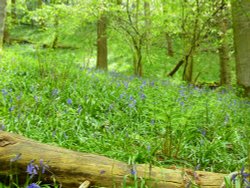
47 97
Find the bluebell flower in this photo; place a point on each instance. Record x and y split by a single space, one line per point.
143 96
11 109
54 133
19 96
133 171
203 132
102 172
182 103
31 168
226 120
152 122
132 104
126 85
122 95
43 166
2 127
111 107
4 92
33 185
55 92
69 101
36 98
148 148
197 167
65 135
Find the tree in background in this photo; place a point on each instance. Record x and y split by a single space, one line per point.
197 25
225 68
102 49
241 27
3 4
169 42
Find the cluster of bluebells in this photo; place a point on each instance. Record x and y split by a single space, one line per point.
33 185
244 177
33 169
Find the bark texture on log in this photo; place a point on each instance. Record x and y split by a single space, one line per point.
71 168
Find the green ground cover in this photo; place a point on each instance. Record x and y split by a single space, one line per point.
46 96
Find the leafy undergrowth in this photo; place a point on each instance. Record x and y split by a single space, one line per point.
47 97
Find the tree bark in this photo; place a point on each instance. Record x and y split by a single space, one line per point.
13 11
71 168
169 42
102 49
3 4
170 50
241 27
225 71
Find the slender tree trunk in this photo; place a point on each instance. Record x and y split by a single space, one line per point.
56 24
147 19
169 42
189 63
102 49
170 50
6 35
225 71
188 69
138 67
39 3
13 11
3 4
241 27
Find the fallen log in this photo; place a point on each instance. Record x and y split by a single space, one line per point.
71 168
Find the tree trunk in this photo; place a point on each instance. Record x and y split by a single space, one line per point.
147 20
169 42
170 51
56 25
13 11
3 4
39 3
241 27
71 168
102 49
225 71
138 68
188 69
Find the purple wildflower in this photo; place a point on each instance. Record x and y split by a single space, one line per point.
143 96
4 92
33 185
102 172
226 120
69 101
43 166
148 148
54 133
65 135
55 92
11 109
2 127
133 171
36 98
152 122
31 168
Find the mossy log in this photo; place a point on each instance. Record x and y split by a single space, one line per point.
71 168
